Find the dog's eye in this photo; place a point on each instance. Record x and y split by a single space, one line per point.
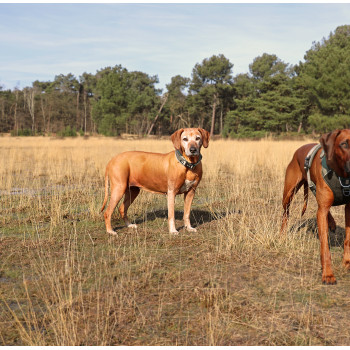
198 138
344 144
185 139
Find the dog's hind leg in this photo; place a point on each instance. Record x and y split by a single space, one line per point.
130 194
117 193
306 197
293 181
331 222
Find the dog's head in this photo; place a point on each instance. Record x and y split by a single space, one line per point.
336 146
190 141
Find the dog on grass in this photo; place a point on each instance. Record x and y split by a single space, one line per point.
325 169
177 172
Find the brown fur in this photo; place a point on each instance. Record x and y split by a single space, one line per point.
338 155
129 172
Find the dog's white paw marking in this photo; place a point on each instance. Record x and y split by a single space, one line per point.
132 226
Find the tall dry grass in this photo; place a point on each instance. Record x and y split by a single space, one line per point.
64 281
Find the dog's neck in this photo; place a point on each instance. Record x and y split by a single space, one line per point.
187 161
340 172
192 159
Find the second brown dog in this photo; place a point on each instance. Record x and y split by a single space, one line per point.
336 147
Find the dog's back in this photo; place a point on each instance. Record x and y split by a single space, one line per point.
145 170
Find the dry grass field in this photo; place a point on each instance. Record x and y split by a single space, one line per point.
64 281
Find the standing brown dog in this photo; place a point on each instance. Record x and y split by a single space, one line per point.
336 146
172 173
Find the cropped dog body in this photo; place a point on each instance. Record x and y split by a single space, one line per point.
129 172
336 146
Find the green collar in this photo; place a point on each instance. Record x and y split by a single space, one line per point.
184 162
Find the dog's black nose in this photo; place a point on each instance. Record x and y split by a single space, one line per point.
193 150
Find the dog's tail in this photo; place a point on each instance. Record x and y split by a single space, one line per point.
106 191
306 197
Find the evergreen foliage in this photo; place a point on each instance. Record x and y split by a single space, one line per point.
325 78
273 97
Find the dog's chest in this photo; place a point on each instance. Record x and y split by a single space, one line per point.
187 185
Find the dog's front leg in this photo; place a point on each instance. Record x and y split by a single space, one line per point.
188 198
322 223
346 259
171 212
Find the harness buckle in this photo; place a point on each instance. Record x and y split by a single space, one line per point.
346 192
307 163
346 187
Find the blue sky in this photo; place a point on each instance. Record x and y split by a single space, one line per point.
39 41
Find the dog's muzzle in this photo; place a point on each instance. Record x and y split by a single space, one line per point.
347 167
192 151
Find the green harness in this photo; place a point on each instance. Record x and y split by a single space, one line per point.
340 186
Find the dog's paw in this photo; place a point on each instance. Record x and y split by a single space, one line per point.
174 232
131 226
112 232
346 264
191 229
329 280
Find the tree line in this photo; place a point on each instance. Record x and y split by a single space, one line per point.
273 97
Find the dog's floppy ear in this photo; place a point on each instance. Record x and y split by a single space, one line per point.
176 138
205 137
327 141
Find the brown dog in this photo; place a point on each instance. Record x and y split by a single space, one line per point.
336 146
128 172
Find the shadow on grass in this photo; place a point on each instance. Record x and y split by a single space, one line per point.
198 217
336 238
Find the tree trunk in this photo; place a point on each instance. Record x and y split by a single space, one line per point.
29 98
49 120
32 111
3 123
165 97
85 111
221 115
77 109
43 112
92 123
213 116
299 128
16 122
